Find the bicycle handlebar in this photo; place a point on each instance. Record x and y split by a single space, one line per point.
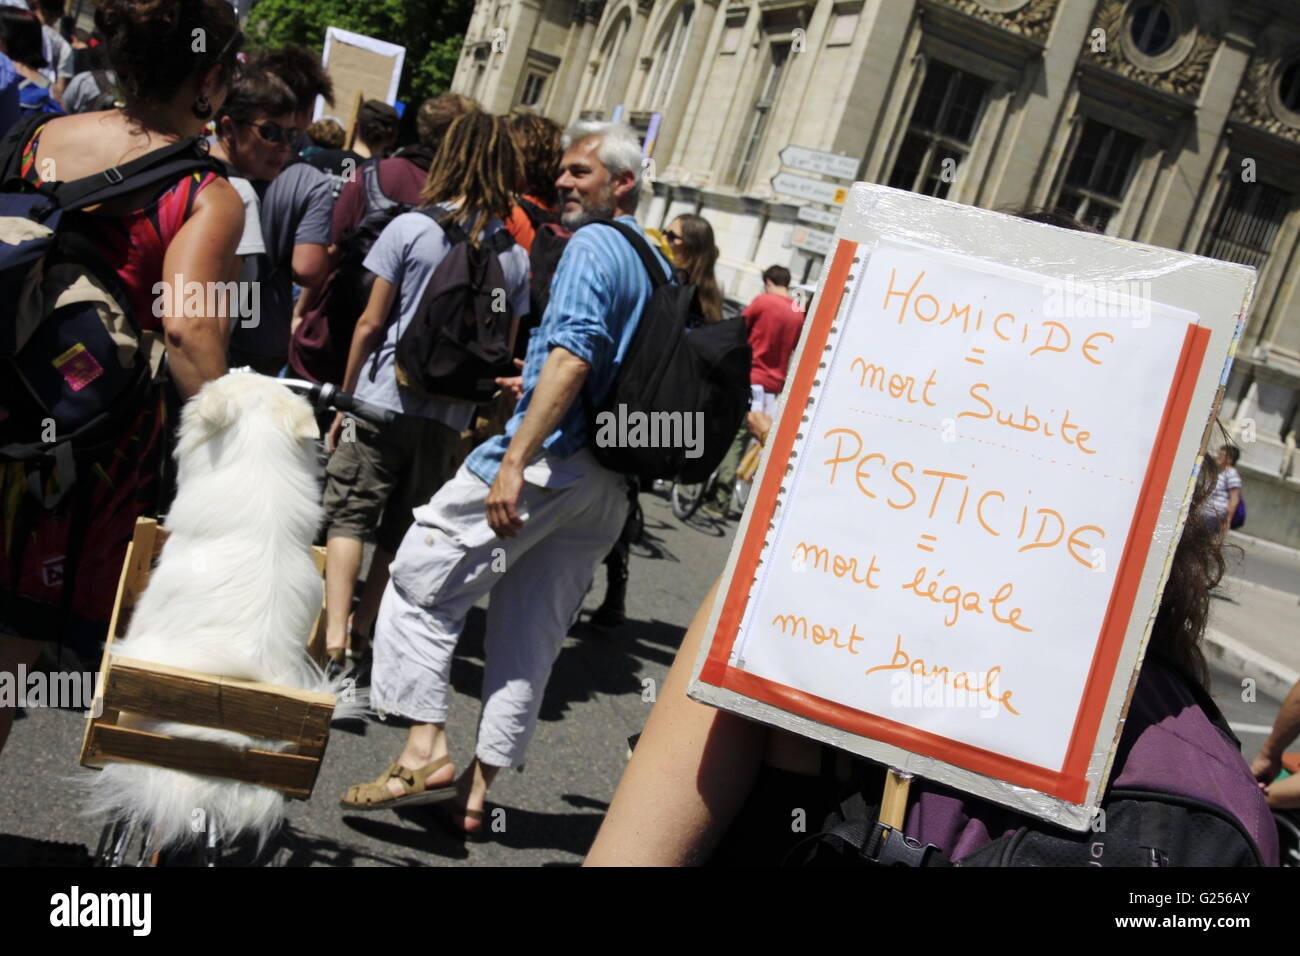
327 397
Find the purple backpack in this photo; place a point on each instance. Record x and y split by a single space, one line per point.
1180 795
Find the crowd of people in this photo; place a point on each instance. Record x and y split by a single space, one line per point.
341 238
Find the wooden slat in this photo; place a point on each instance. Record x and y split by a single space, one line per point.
140 562
141 540
290 773
247 707
316 644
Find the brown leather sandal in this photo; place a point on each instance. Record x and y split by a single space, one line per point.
377 796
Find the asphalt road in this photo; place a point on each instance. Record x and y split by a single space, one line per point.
1266 564
546 815
550 812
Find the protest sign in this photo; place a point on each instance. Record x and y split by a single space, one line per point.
968 505
359 66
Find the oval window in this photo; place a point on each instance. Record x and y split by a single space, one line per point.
1152 28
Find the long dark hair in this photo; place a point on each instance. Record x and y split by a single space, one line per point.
1198 564
476 160
699 254
537 141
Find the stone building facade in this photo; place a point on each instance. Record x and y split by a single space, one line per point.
1172 122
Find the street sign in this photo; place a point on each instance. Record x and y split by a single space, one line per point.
819 216
819 161
813 190
812 240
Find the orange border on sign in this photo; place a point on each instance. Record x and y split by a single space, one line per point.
1069 783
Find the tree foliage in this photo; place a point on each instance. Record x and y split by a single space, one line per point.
431 30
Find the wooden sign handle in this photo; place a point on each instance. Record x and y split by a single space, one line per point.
893 805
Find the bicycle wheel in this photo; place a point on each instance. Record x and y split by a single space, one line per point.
686 499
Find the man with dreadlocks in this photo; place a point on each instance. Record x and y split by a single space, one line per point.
528 515
389 471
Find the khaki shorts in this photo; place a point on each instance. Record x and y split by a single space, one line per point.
373 483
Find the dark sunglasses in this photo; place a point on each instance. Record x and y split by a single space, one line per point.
273 132
671 236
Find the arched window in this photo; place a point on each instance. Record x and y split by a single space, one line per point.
608 57
669 54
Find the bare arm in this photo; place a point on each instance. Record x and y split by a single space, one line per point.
369 331
690 774
202 251
1286 728
311 264
558 386
1234 496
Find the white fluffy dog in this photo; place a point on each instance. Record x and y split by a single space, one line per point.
235 594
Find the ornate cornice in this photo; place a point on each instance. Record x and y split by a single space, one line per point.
1032 21
1251 106
645 5
1185 79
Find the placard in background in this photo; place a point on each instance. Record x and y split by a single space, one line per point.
359 64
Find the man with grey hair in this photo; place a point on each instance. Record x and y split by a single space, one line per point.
528 516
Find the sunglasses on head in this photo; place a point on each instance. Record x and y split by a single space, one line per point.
273 132
671 236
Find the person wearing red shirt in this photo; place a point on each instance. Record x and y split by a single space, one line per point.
774 323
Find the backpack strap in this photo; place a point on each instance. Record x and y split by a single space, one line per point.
169 162
442 217
500 241
536 214
643 250
12 146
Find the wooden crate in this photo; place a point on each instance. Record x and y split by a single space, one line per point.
156 691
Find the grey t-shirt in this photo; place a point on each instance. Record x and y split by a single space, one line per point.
296 209
84 90
406 254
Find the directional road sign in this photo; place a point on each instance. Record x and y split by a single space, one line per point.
819 161
814 190
812 240
820 216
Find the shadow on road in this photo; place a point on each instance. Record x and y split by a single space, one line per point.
429 838
27 851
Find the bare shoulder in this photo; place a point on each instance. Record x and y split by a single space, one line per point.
220 201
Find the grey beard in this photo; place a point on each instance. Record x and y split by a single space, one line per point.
586 215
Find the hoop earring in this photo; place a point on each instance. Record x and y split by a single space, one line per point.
202 109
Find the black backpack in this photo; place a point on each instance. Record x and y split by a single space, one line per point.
319 347
457 342
549 240
75 367
679 372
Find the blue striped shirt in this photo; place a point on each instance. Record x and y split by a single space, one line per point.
597 295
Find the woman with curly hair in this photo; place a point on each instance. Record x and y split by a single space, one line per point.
187 228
